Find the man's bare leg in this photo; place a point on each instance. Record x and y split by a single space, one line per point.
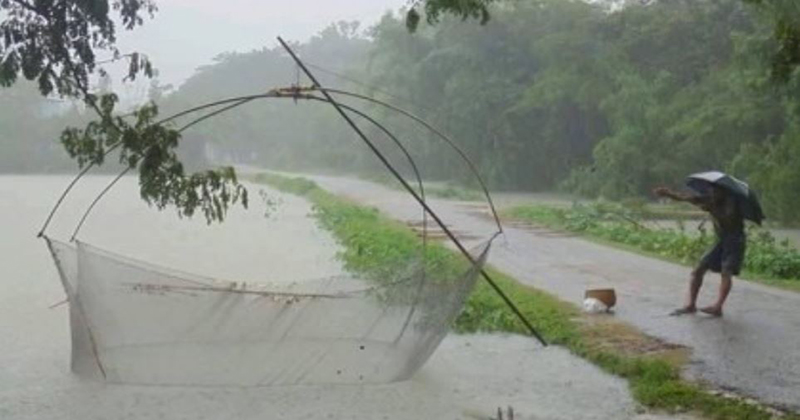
724 291
694 289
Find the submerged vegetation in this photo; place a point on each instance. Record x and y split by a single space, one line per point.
766 258
373 242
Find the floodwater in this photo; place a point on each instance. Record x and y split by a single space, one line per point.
468 377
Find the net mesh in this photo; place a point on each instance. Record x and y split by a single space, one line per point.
137 323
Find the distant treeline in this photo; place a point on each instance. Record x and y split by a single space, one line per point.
549 94
29 130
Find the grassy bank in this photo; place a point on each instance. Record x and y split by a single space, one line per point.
766 260
373 244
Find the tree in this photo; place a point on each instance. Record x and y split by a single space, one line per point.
434 9
785 14
56 42
786 32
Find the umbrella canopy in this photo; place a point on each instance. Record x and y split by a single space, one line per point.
745 196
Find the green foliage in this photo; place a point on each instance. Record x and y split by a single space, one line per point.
434 9
785 15
616 224
606 104
486 312
769 257
772 169
150 148
57 44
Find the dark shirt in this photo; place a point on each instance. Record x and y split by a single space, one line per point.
725 211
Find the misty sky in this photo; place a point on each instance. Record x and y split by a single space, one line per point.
188 33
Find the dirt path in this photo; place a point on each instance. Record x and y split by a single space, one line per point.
754 349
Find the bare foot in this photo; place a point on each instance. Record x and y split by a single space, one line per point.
712 310
683 311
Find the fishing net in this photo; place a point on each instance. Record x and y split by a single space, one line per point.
133 322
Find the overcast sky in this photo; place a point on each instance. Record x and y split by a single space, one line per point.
188 33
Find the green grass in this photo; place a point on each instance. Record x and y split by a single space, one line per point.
375 245
766 260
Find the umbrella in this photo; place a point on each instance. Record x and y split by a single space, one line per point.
745 196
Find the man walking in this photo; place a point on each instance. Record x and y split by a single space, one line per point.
727 254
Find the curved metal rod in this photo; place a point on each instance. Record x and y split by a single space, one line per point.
215 113
96 200
240 99
438 133
126 170
62 197
244 101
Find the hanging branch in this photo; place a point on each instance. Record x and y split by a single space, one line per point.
102 149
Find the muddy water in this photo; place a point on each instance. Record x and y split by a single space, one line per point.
468 377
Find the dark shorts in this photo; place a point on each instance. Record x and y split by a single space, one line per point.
727 255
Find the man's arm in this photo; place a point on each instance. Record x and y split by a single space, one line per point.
699 201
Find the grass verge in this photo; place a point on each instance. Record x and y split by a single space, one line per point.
766 260
373 244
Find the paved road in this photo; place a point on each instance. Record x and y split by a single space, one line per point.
753 350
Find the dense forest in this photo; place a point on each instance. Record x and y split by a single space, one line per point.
551 94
